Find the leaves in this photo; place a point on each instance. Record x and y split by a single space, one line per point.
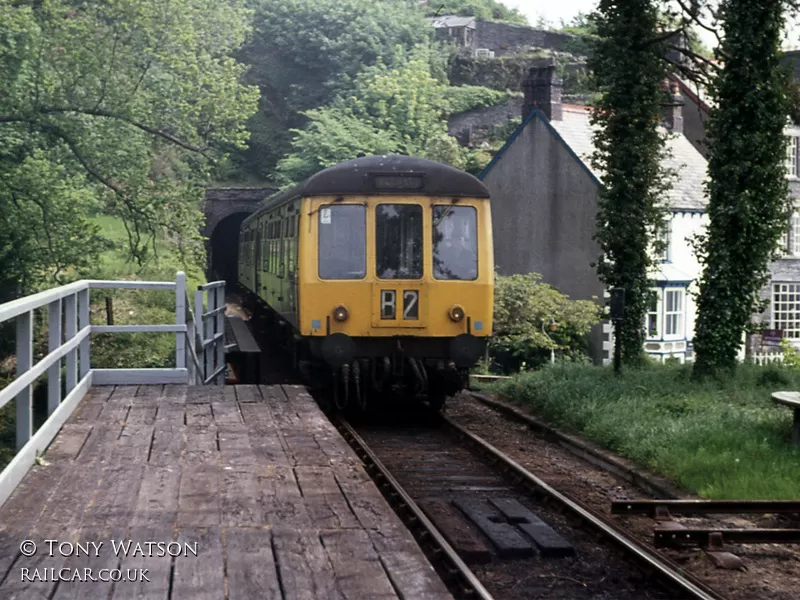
628 70
748 193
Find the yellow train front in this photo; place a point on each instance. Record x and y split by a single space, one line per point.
378 273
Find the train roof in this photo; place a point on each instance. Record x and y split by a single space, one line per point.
387 174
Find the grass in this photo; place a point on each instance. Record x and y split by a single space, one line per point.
721 439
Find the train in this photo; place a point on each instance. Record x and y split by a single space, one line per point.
377 275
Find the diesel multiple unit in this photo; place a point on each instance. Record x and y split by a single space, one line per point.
378 274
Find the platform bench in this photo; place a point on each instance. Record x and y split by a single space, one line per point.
244 352
792 400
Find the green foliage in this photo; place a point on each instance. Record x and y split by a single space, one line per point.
487 10
791 356
389 110
305 52
525 312
628 69
112 106
721 438
748 195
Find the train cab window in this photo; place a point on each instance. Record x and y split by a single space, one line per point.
342 241
398 241
455 242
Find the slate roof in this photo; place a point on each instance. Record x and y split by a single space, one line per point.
687 191
452 21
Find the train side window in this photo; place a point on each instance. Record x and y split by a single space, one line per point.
455 242
342 243
398 241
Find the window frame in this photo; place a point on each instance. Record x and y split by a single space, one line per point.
421 240
658 313
791 157
777 289
680 314
318 216
477 241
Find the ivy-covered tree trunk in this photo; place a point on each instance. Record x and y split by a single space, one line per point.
748 210
628 68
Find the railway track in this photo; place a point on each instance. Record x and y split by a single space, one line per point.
455 492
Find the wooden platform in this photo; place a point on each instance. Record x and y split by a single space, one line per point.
254 479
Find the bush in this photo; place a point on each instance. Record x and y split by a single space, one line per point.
532 318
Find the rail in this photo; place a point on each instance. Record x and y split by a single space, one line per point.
69 335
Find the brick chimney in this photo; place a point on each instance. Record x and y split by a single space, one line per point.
672 108
542 90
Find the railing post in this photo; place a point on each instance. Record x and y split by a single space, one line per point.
24 399
180 319
53 342
220 292
70 329
83 321
198 323
208 329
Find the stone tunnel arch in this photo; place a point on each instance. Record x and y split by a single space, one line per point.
225 209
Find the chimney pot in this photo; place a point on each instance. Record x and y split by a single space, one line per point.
542 90
673 107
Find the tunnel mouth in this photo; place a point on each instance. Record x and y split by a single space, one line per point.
223 255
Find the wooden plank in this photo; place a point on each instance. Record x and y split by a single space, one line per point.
115 499
252 569
142 415
157 569
456 531
304 450
200 577
508 541
265 439
410 572
305 569
169 444
114 414
199 416
325 502
549 542
201 447
199 499
235 449
100 555
248 393
229 393
157 501
359 573
90 407
123 395
244 338
239 500
133 445
170 415
68 442
203 394
365 500
174 394
280 498
226 413
99 444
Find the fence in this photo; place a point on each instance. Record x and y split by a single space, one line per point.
69 306
766 358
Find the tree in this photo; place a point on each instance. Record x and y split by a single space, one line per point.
481 9
628 69
304 53
389 110
114 106
748 196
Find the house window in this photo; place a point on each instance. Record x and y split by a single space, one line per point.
652 324
673 313
794 235
791 157
665 237
786 309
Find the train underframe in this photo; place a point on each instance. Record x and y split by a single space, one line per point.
362 372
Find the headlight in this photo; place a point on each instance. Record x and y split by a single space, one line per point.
457 313
340 313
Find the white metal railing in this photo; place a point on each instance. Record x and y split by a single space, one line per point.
765 358
70 305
